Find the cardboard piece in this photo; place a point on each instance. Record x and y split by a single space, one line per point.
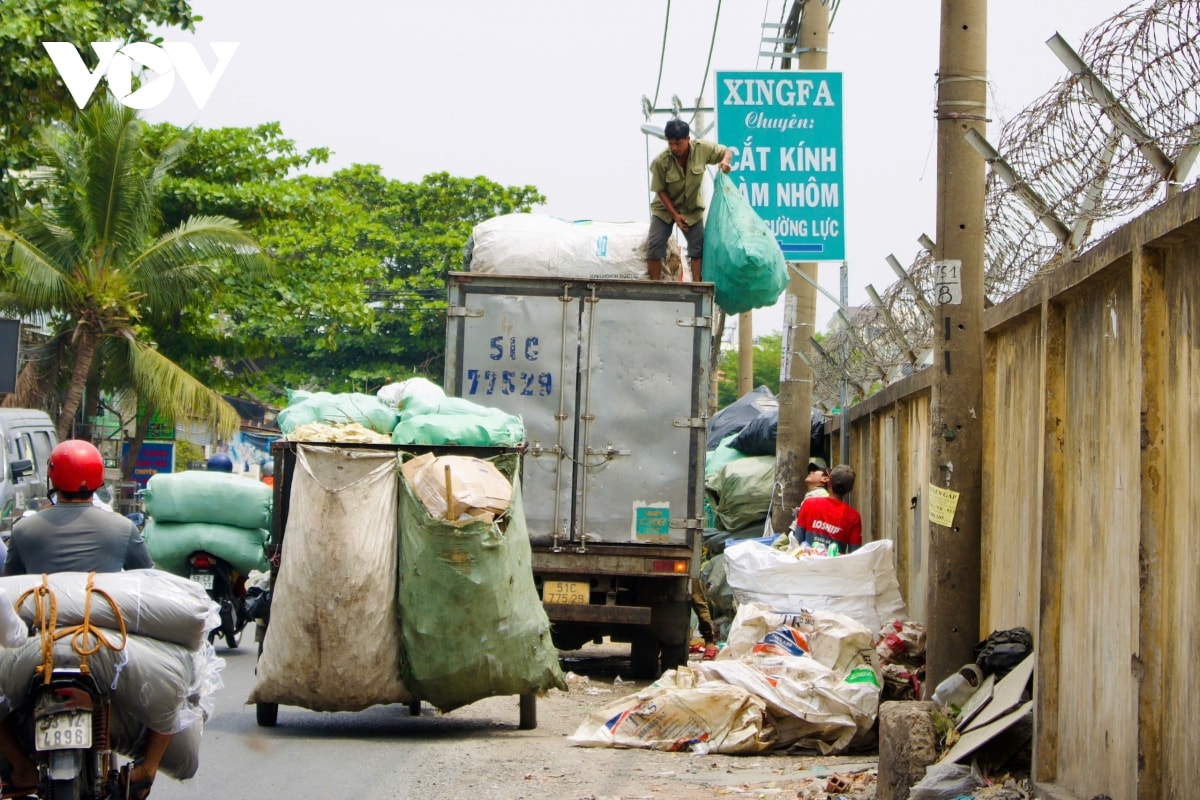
982 696
1007 694
458 488
975 738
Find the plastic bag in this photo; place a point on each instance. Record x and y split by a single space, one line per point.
946 781
741 256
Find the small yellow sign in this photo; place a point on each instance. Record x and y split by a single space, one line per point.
942 504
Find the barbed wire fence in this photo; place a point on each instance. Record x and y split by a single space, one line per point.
1104 145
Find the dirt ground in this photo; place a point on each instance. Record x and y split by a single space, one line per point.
597 675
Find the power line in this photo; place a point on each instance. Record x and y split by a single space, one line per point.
662 56
708 63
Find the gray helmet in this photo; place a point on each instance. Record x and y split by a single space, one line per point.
268 468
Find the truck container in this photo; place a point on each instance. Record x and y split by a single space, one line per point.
611 378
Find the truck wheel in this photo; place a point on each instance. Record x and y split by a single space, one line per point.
267 714
643 656
674 656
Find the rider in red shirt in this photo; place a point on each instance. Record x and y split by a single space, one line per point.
831 519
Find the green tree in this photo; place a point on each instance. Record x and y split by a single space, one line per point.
356 295
92 255
31 91
768 351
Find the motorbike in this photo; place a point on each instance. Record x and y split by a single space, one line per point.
227 589
71 746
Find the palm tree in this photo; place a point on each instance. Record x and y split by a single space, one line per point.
93 257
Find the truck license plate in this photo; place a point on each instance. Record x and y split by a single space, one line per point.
205 579
66 731
569 592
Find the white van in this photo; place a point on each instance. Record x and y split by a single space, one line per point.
26 439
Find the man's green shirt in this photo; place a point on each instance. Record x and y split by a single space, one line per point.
682 184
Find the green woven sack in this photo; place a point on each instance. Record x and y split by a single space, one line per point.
365 409
741 256
170 544
216 497
471 622
469 430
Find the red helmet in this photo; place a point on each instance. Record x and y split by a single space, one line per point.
76 466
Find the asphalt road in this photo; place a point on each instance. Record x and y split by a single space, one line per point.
473 753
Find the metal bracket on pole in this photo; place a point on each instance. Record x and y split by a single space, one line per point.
887 315
1111 106
1032 200
913 289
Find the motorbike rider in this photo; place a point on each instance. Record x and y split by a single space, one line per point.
75 536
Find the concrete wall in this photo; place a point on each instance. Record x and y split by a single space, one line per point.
1090 506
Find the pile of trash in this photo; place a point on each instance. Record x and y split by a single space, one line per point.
415 411
984 718
161 674
784 680
226 515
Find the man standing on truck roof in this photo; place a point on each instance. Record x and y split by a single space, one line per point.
676 176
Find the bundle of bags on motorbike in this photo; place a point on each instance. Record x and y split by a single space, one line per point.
148 629
216 512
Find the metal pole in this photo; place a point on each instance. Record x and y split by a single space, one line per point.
956 427
800 317
844 435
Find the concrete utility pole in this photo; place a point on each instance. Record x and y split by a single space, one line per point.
799 319
955 423
745 353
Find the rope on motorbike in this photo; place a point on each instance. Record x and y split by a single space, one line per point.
86 638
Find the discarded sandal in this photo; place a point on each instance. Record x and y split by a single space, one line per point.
710 653
18 791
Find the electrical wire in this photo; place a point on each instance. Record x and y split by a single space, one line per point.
708 63
662 56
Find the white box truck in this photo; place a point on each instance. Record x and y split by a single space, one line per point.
611 378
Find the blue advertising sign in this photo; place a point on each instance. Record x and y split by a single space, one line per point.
154 457
785 129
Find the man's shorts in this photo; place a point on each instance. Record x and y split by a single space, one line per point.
660 231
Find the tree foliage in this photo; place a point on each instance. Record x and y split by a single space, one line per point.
356 295
768 351
95 257
31 92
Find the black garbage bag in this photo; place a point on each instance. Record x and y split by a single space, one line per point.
738 414
1003 650
759 435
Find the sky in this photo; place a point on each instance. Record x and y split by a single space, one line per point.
549 93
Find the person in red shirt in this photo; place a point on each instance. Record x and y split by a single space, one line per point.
831 519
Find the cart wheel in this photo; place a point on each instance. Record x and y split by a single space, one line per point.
414 708
528 705
267 714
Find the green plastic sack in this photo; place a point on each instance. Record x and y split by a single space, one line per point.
469 430
471 622
170 544
741 256
216 497
365 409
740 492
721 456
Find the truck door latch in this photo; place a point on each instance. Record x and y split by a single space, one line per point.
690 422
